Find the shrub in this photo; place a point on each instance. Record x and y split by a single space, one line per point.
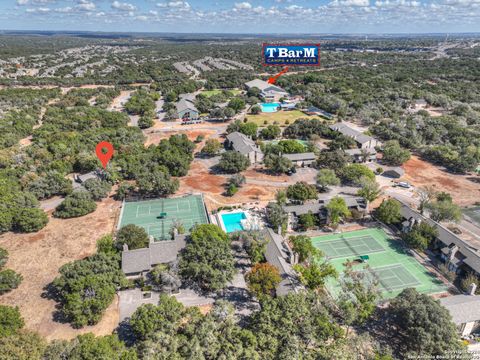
134 236
9 280
10 320
30 220
97 188
3 257
77 204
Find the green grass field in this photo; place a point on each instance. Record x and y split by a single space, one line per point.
394 267
218 91
189 210
280 117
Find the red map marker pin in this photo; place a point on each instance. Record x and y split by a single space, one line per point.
104 157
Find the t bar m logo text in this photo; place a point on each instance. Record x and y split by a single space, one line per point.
291 54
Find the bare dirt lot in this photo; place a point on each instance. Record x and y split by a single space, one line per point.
465 191
38 257
200 179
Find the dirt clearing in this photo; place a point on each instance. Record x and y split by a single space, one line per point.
464 190
38 257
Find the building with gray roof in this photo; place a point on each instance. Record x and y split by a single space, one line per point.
363 141
319 209
137 262
270 93
301 159
458 254
186 110
362 155
244 145
279 254
465 312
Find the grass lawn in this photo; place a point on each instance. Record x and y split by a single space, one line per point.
280 117
218 91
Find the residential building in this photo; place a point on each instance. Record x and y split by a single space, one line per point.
362 155
313 110
459 255
244 145
301 159
279 254
186 110
465 311
319 209
270 93
362 140
138 262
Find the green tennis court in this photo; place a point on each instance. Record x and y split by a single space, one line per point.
343 247
393 267
157 216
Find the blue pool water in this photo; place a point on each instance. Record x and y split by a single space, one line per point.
269 107
232 221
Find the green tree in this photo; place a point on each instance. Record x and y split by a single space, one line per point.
249 129
355 173
233 162
212 147
276 216
146 121
263 279
270 132
281 197
394 154
106 245
303 247
97 188
157 182
337 210
423 326
301 191
315 274
165 317
358 296
326 178
30 220
256 109
89 347
85 288
10 320
207 260
307 221
9 280
291 147
22 346
389 212
420 236
236 104
277 164
134 236
444 211
297 324
3 257
369 190
77 204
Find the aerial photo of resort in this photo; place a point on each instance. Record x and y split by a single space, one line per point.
253 180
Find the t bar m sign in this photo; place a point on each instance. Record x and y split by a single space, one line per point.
291 54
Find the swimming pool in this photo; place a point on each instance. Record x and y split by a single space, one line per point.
233 221
269 107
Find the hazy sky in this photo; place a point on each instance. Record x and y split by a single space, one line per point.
273 16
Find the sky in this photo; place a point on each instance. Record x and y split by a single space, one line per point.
226 16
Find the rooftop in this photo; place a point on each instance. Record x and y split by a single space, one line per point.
349 131
472 257
185 104
263 86
242 143
158 252
462 308
308 156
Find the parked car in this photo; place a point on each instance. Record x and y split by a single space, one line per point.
403 184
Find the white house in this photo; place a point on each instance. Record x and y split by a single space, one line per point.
269 92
